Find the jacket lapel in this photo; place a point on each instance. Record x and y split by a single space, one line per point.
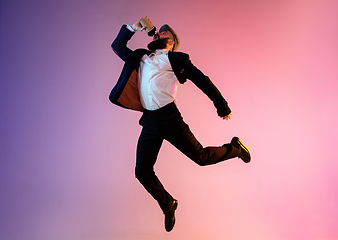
125 92
179 62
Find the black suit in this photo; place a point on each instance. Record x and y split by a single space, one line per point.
166 122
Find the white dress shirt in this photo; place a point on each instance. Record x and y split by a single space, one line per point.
157 82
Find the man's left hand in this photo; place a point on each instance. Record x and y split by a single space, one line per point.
227 117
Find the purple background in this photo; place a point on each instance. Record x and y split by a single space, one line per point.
68 155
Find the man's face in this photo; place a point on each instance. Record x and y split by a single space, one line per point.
161 35
162 40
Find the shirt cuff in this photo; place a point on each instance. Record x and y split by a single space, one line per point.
130 28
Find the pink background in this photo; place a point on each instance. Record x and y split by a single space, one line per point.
68 155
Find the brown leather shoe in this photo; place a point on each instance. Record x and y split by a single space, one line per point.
245 155
169 220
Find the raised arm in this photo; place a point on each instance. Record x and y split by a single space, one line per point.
119 45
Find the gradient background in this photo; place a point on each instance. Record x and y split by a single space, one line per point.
68 155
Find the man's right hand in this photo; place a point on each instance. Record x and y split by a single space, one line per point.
137 26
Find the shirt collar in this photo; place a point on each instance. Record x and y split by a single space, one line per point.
161 51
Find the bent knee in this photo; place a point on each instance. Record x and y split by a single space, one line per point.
144 175
199 161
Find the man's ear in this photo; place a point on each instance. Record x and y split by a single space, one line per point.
171 41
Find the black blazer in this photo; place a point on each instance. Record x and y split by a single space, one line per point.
125 92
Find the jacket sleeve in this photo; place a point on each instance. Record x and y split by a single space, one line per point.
119 45
204 83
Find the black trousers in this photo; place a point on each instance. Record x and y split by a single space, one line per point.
167 123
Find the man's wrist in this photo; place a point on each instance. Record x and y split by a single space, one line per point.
130 28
